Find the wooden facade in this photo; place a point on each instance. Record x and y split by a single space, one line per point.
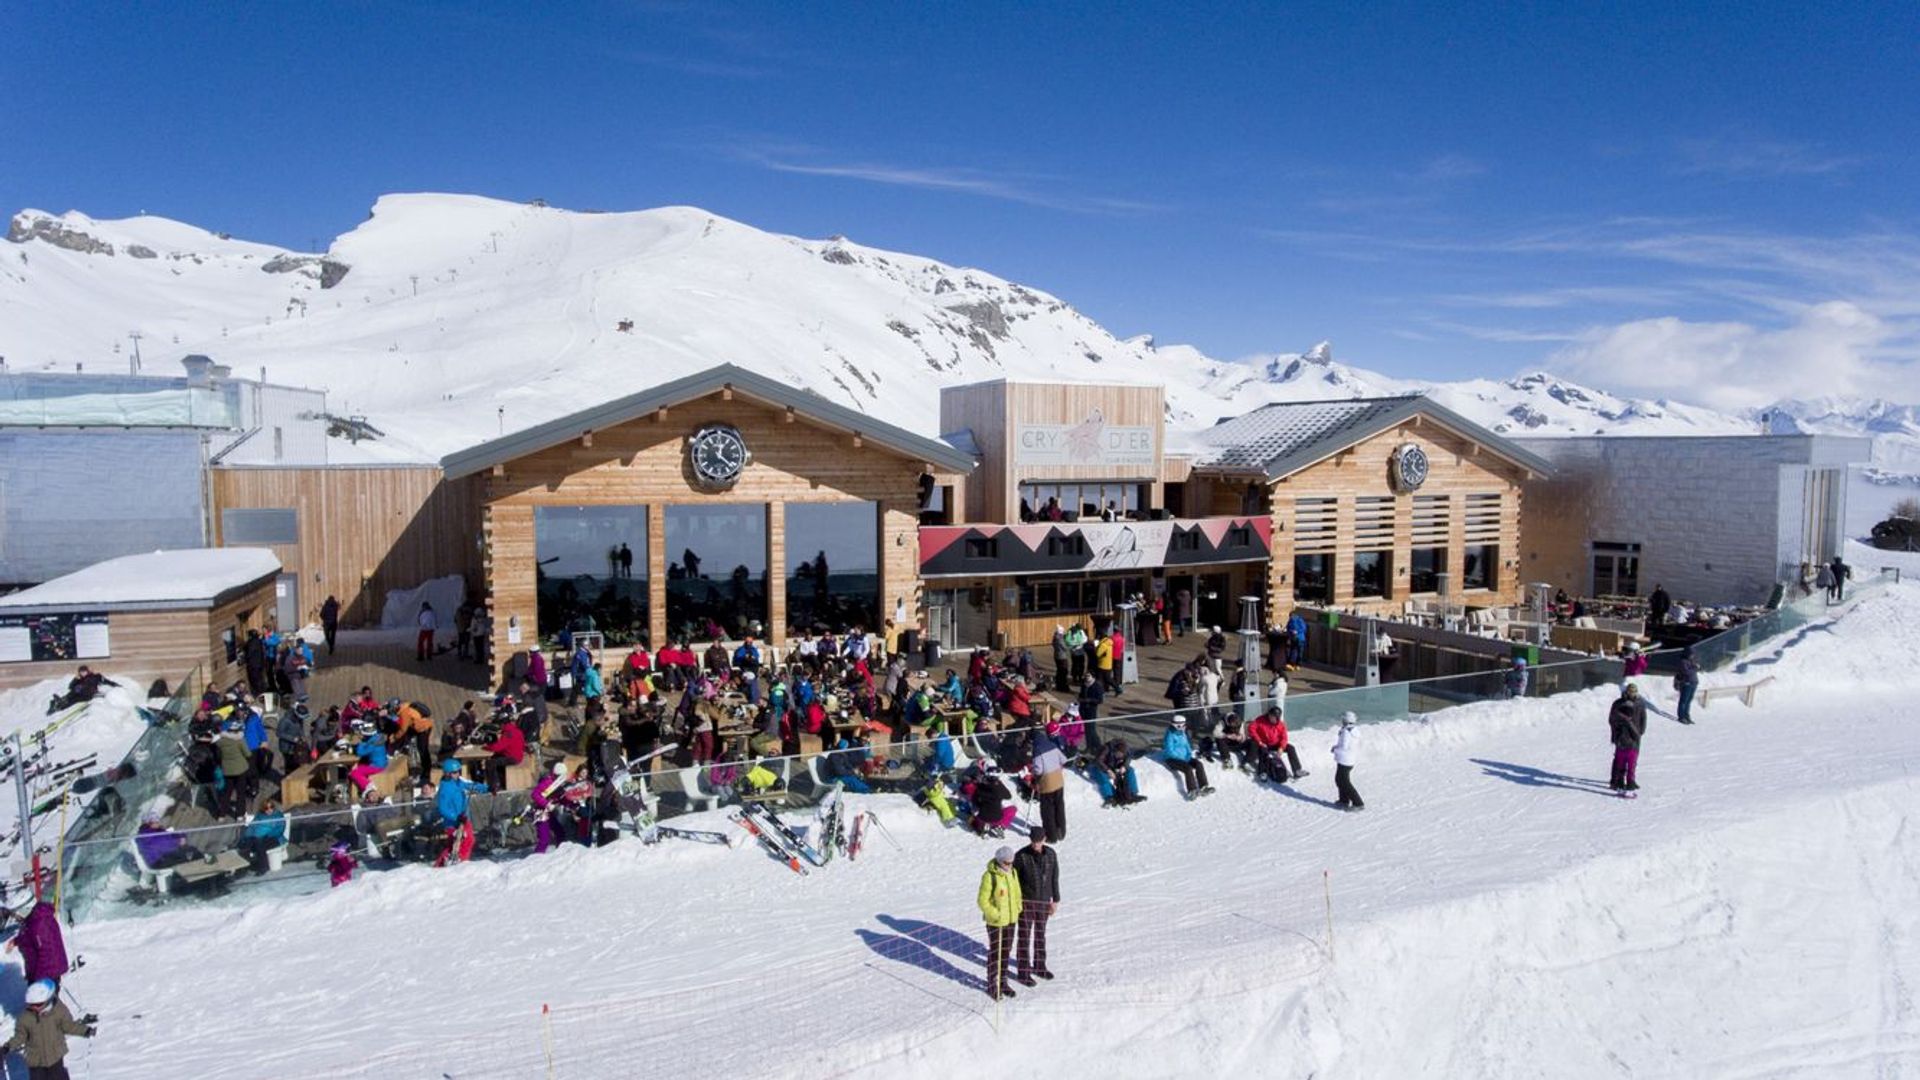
1345 504
362 531
996 412
643 462
169 644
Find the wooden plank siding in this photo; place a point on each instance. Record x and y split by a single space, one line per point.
643 463
363 531
149 645
996 411
1458 467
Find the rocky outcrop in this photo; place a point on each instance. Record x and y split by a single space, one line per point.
141 251
53 232
326 271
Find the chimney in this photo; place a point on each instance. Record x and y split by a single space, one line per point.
222 373
199 370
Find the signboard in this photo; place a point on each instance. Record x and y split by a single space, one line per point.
1092 441
57 638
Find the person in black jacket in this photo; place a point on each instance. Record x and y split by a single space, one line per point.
1038 867
1628 722
1658 605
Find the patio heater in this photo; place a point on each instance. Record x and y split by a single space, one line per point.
1366 666
1128 620
1249 632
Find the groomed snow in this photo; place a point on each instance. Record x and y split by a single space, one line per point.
108 728
192 575
1496 914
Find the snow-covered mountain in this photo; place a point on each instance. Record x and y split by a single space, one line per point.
447 319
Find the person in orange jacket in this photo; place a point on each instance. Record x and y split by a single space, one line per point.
1268 733
410 723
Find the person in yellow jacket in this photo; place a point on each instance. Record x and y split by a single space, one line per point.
1103 660
1000 903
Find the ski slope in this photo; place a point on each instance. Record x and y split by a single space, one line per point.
1495 913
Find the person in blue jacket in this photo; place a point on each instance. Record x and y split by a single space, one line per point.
943 759
451 801
372 751
267 830
1177 749
254 733
1297 626
843 765
953 691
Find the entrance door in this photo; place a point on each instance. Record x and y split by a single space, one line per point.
943 624
1217 604
286 606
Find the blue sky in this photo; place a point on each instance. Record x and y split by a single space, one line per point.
1694 200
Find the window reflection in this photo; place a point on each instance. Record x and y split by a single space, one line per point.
590 570
716 571
833 560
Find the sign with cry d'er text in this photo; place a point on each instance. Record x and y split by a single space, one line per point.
1092 441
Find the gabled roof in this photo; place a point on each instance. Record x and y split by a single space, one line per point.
1279 440
747 383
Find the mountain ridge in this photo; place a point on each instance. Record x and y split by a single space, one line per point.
448 319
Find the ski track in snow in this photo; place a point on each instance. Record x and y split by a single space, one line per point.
1496 913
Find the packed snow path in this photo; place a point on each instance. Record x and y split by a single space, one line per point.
1496 913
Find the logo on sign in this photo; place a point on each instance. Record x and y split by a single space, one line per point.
1092 441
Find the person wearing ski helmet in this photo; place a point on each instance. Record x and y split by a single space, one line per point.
1514 681
1345 753
451 801
1177 750
1000 903
40 1032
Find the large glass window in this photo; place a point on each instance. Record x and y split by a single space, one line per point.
1313 578
716 570
591 570
1370 570
1482 567
1088 499
1426 566
833 556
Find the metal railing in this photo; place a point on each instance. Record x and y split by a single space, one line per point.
410 831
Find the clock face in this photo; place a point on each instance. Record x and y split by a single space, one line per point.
718 455
1409 467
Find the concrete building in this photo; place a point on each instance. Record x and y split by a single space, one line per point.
1717 520
95 466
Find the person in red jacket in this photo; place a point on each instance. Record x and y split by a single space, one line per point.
509 749
1268 734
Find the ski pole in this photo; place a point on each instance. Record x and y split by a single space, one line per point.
884 831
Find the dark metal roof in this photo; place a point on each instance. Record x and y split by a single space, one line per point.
749 383
1279 440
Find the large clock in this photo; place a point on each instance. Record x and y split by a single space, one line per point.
1408 467
717 455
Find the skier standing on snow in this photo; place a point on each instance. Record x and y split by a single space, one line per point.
43 953
1514 682
1038 868
1000 905
1628 722
1050 780
1344 755
40 1033
1685 682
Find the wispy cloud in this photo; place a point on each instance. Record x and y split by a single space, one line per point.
1736 156
1024 188
1408 191
1449 167
1567 297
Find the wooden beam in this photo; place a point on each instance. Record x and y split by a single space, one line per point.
660 415
499 470
857 443
787 416
586 440
726 392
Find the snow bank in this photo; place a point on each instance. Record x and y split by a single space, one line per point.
191 575
1496 913
108 727
402 610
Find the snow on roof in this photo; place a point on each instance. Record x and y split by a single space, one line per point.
194 577
1282 438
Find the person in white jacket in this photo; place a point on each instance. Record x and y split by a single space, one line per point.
423 648
1343 758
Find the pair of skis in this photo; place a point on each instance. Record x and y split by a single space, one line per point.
775 843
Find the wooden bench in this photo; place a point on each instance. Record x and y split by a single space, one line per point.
295 787
226 864
1744 693
387 781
